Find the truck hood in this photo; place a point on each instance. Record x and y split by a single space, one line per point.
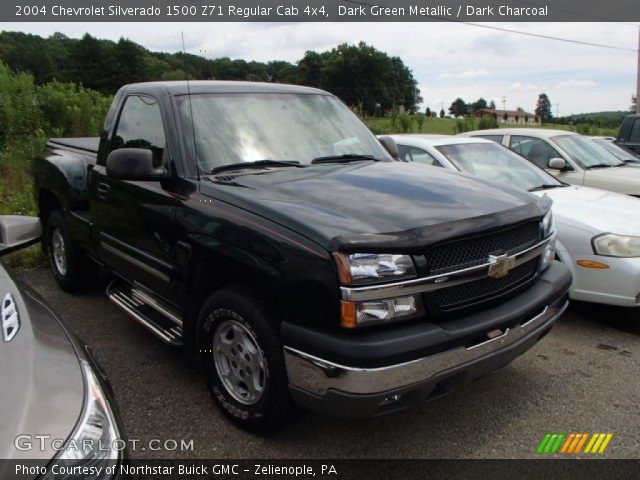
623 179
595 211
41 378
375 204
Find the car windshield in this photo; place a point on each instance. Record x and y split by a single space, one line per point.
585 152
495 162
617 151
248 127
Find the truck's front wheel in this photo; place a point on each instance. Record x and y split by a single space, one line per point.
71 267
242 357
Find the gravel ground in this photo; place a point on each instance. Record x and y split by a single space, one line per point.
583 377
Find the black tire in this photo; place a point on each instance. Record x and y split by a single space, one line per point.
271 411
79 271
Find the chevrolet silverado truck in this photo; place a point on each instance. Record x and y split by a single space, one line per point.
264 229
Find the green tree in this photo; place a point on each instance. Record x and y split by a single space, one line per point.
479 104
543 108
362 77
427 112
458 108
442 113
129 64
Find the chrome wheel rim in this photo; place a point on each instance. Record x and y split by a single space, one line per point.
239 362
59 252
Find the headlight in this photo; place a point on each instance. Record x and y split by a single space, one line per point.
95 440
613 245
363 268
548 224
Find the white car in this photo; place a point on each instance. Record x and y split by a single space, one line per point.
617 151
571 157
598 231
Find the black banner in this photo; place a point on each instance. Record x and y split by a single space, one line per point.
318 10
324 469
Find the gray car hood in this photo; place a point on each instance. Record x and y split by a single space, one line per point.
40 377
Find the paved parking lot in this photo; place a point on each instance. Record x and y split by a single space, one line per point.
583 377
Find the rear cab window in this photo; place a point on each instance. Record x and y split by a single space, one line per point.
634 137
417 155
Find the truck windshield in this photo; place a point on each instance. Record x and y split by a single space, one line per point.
494 162
585 152
247 127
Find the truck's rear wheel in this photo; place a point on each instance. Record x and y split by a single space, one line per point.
242 358
71 267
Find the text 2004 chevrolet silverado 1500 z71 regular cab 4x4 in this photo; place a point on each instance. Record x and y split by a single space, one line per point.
264 229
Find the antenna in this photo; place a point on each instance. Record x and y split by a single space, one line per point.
193 125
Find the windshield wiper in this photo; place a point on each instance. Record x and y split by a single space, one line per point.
602 165
631 161
546 186
347 157
256 164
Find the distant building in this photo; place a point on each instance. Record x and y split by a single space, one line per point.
510 117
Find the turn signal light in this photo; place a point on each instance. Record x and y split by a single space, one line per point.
592 264
348 317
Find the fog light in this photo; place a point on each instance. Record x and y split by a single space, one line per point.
390 399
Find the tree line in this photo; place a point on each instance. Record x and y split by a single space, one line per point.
364 78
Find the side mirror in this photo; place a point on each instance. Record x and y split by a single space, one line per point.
557 163
17 232
390 146
133 164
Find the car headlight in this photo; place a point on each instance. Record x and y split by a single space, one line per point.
548 224
96 437
612 245
364 268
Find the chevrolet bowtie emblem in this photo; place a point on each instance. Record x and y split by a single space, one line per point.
500 265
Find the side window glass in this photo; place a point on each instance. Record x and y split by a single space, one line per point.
493 138
533 149
417 155
140 126
635 132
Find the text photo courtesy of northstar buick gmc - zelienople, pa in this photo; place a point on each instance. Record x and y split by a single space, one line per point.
305 244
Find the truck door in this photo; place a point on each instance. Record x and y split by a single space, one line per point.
135 219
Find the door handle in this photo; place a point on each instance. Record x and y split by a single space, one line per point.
104 188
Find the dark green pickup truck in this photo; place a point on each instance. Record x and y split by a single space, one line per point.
263 229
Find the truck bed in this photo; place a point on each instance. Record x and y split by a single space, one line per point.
86 144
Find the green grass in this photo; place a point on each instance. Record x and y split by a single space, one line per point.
386 125
17 198
447 126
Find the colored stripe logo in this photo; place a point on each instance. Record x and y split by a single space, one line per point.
574 443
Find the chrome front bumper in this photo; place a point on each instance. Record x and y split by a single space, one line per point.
318 376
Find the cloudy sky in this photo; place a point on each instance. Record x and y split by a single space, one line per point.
448 60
